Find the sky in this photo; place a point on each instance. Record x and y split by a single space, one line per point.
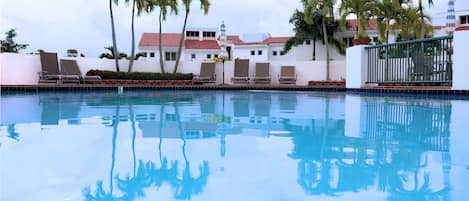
58 25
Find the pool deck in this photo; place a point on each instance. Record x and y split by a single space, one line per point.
433 90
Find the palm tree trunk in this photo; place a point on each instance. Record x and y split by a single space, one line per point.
422 22
181 42
114 43
326 40
314 49
132 51
160 19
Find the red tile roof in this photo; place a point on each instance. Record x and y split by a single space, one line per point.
152 39
353 24
276 40
201 44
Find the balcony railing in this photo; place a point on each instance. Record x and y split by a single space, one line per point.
411 62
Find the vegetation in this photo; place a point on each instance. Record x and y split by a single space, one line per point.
408 23
204 5
164 6
9 45
110 54
113 30
140 75
361 9
132 28
422 18
386 11
326 9
311 32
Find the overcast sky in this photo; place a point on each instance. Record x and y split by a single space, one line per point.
58 25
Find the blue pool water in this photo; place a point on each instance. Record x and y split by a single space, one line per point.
232 146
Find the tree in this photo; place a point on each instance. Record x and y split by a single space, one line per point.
386 11
132 28
360 8
312 31
422 18
111 55
408 24
204 5
113 30
326 8
9 45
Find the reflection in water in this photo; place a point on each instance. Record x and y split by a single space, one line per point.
394 151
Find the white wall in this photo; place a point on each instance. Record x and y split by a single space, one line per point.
22 69
244 52
461 60
356 64
200 55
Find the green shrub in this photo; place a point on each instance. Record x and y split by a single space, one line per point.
140 75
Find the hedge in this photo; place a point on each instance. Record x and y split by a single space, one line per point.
140 75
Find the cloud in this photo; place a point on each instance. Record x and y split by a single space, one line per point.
57 25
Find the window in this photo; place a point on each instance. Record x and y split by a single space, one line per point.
253 52
464 19
282 53
144 54
274 53
209 34
192 34
192 56
209 56
216 55
152 54
259 52
170 56
308 42
375 39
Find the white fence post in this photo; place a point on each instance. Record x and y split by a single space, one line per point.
460 60
356 67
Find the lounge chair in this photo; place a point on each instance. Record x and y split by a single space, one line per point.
287 75
262 73
207 74
70 67
241 71
50 70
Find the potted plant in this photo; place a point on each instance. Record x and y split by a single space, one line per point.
362 38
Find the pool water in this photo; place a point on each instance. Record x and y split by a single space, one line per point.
232 146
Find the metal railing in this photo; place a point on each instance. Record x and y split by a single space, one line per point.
411 62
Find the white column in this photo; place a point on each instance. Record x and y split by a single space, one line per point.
460 60
356 67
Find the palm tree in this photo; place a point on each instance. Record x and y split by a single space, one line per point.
9 45
360 8
304 31
163 5
385 11
132 50
326 8
422 18
113 29
204 5
311 31
408 23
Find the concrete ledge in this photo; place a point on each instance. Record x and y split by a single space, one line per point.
104 87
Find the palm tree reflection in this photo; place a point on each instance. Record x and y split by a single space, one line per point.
147 174
331 163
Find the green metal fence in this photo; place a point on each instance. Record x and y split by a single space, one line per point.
418 61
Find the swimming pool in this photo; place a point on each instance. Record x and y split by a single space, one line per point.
232 145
